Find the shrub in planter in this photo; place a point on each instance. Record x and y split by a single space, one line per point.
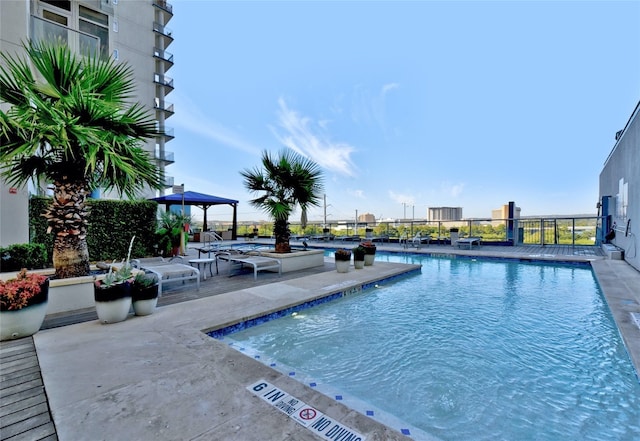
358 257
342 255
369 252
343 259
23 304
144 293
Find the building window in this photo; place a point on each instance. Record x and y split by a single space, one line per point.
62 4
96 24
115 25
52 16
116 54
53 27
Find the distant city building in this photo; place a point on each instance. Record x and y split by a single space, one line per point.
134 32
369 218
435 214
498 216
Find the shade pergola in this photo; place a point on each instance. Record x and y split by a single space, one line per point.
203 201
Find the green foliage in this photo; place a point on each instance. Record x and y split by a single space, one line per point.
170 230
112 223
284 182
358 253
143 280
72 121
18 256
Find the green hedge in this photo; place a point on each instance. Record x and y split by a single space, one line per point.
18 256
112 223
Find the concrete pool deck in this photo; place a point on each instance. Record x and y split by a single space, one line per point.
161 377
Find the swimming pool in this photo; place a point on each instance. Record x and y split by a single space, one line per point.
468 349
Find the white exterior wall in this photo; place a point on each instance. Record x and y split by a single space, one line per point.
14 206
620 179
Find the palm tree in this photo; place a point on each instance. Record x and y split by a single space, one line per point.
285 181
71 124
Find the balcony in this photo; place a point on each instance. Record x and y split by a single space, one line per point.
163 80
168 181
164 5
163 55
164 32
166 157
165 131
163 106
79 42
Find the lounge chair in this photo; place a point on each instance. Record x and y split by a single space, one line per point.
470 241
417 241
168 271
258 263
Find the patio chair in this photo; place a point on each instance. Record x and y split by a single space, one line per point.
470 241
168 271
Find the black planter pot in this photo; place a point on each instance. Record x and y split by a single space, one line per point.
103 293
144 293
144 299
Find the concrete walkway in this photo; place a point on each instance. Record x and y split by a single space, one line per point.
160 377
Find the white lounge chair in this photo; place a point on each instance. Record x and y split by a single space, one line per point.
259 263
417 240
167 271
470 241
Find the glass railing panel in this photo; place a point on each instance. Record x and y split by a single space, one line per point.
79 42
164 5
159 53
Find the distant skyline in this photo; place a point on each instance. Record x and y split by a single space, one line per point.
410 104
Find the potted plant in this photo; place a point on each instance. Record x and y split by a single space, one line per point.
144 293
23 304
369 252
358 257
343 258
113 293
170 231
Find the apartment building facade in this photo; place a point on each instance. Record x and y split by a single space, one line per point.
134 32
444 213
619 190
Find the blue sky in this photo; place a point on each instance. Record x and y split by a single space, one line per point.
405 104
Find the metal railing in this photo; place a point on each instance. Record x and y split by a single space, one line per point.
164 156
163 55
164 5
529 231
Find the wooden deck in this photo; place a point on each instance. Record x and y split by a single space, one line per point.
24 411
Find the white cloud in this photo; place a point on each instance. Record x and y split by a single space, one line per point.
192 119
311 140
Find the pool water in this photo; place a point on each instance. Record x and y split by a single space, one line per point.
470 349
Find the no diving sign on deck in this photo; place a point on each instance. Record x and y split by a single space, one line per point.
308 416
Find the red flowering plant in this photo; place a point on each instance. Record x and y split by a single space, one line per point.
369 247
26 289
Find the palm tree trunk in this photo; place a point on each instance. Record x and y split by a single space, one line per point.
281 233
67 221
70 256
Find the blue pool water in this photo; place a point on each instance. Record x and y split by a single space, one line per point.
469 349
